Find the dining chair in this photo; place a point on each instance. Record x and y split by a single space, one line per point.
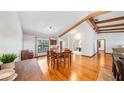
48 57
53 59
120 64
65 57
118 67
115 65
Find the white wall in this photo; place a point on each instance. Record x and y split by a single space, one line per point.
29 42
88 38
10 33
65 40
112 40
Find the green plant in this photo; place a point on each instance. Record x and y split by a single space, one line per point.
7 58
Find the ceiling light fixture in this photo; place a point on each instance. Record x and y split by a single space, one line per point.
50 27
73 31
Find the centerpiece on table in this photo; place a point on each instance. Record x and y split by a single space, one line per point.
8 61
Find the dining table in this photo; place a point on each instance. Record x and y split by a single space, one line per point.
60 54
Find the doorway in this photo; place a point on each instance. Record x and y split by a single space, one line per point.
101 45
61 45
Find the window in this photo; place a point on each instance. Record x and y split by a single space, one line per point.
43 46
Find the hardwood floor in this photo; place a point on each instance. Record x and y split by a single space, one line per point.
28 70
82 68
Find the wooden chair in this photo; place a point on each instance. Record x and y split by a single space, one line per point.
115 66
120 64
68 56
48 57
53 59
65 57
118 67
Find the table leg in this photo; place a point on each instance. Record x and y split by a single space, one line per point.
57 63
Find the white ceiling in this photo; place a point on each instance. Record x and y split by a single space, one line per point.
110 15
40 22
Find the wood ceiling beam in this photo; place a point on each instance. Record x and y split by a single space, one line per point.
83 20
110 20
111 32
111 29
107 26
92 21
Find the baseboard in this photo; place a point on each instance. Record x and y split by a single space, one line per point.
40 56
109 53
90 56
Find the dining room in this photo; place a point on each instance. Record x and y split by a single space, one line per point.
61 46
46 47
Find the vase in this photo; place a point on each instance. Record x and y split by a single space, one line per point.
8 65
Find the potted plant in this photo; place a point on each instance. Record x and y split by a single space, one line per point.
8 61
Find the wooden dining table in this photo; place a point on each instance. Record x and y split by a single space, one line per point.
28 70
59 53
